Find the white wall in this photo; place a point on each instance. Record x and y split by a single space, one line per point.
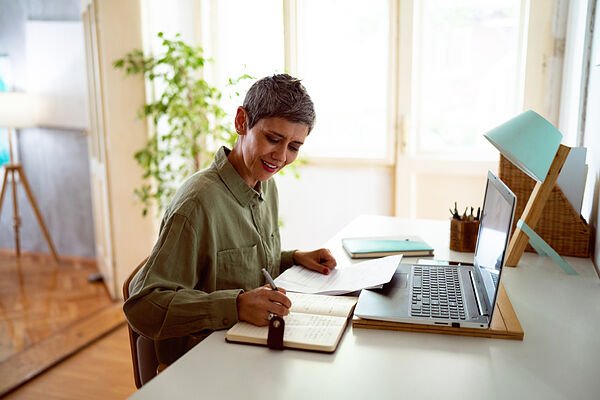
591 140
579 119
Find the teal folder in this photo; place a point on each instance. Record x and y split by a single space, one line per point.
381 247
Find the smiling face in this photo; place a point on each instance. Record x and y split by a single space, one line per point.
266 148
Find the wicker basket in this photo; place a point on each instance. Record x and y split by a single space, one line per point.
560 225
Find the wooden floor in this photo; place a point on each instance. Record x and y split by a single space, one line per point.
42 303
101 371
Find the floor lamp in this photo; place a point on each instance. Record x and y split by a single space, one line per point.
532 144
20 110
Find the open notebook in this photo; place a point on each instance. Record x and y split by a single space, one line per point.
315 322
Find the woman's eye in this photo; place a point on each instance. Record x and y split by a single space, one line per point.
272 139
295 149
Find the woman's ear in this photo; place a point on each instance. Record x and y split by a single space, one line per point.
241 121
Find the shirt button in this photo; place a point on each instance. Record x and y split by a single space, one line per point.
225 321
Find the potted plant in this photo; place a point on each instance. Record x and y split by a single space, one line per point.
189 121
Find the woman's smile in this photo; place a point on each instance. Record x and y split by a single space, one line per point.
266 148
271 168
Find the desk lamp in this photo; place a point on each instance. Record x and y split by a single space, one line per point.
532 144
21 110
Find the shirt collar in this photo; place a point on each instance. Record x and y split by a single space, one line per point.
243 193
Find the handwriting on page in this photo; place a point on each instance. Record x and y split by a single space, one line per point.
308 329
323 305
313 329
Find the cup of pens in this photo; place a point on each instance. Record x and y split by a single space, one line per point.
464 229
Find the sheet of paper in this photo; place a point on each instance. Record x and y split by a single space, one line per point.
343 279
573 176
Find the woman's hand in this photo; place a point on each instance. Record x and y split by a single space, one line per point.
256 305
320 260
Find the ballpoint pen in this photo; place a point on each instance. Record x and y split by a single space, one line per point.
273 287
270 280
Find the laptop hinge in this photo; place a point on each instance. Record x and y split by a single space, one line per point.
477 297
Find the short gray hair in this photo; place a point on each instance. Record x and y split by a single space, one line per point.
280 96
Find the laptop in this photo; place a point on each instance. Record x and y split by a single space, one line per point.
452 294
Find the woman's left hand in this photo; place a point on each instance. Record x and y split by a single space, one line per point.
320 260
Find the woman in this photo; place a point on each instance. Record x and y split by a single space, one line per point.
220 230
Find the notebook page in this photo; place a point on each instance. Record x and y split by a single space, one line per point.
304 331
340 306
311 331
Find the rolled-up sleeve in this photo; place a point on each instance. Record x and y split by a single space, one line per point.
287 259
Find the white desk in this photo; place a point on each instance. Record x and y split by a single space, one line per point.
558 359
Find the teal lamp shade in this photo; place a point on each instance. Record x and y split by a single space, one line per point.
529 141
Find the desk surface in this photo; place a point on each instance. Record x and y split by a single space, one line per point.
559 357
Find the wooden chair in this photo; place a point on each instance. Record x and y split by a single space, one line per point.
143 355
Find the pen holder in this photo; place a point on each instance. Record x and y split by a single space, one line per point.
463 235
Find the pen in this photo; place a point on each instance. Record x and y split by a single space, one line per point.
454 212
269 279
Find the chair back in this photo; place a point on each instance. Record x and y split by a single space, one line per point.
143 356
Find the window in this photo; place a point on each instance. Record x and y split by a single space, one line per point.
465 59
342 56
244 37
467 72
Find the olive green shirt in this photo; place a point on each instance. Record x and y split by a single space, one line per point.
215 237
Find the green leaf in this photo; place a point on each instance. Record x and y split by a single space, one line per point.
192 111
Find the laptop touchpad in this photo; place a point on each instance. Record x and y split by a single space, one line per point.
399 281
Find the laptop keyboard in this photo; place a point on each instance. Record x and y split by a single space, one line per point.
436 293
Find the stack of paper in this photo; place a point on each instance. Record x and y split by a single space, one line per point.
343 279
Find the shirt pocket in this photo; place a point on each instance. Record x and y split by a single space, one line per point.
275 247
238 268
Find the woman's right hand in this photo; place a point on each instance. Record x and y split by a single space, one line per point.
256 305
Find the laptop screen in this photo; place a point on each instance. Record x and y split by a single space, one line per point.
494 231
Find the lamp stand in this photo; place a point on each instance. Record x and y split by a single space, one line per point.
15 170
535 206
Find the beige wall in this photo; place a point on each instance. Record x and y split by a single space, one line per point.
126 237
